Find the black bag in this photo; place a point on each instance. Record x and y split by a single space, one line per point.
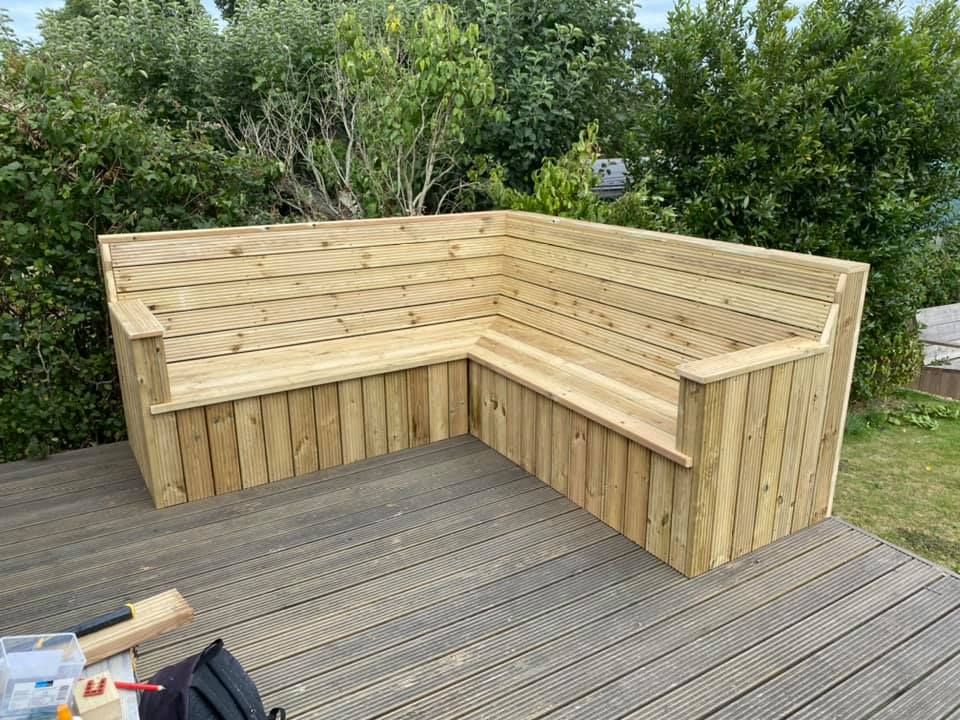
208 686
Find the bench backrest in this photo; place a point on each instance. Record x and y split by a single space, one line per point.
652 299
234 290
656 299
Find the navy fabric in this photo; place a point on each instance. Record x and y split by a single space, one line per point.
208 686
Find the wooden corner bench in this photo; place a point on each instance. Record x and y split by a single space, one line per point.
689 393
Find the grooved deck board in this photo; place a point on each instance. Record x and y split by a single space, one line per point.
444 581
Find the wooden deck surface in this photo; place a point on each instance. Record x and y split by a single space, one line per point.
444 582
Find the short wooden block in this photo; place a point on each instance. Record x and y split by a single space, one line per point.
96 698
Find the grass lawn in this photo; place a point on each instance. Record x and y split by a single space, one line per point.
901 481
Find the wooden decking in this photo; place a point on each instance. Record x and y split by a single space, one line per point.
445 582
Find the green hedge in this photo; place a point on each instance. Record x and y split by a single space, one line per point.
71 166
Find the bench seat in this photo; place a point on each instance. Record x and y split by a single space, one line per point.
204 381
638 403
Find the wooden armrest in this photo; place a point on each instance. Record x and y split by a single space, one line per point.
135 319
741 362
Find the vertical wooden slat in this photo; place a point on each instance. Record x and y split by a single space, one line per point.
476 397
439 391
800 389
577 477
161 442
485 403
637 493
251 443
224 456
459 422
513 412
327 405
543 463
807 473
691 514
660 507
418 405
374 415
562 438
303 431
398 416
276 432
777 408
614 480
500 385
195 448
751 457
728 470
350 394
852 288
595 464
528 432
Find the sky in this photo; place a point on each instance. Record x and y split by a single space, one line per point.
652 14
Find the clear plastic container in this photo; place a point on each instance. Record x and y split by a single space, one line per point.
37 673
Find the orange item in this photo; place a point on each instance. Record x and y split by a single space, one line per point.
63 712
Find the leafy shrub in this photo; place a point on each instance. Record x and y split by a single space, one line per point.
72 165
558 65
836 132
565 187
164 55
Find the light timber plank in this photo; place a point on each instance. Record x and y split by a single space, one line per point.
735 391
475 392
418 404
528 431
615 480
195 449
562 441
797 418
213 295
500 387
851 300
637 493
438 380
196 272
660 507
350 396
276 432
459 422
596 456
315 304
303 431
251 442
513 411
577 464
774 439
751 460
375 433
544 454
224 455
280 335
326 401
398 414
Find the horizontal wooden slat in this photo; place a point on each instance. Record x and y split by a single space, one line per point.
307 331
212 295
637 237
231 377
271 312
489 222
718 322
657 333
784 307
281 239
660 360
742 362
198 272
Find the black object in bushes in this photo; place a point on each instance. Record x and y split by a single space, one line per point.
209 686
